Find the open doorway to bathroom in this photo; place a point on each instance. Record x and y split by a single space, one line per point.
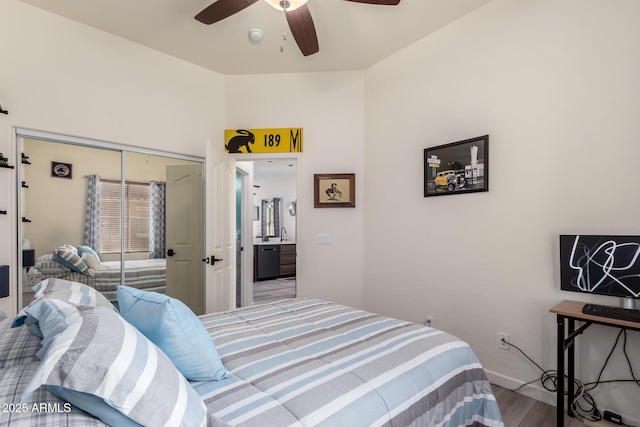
268 189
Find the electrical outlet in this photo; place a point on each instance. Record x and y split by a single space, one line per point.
428 321
503 341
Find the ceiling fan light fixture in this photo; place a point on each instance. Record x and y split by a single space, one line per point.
256 35
288 5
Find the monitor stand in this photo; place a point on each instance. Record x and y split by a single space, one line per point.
629 303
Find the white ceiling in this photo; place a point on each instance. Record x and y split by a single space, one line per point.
266 169
352 36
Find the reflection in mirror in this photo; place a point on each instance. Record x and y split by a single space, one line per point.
79 215
169 221
55 204
270 226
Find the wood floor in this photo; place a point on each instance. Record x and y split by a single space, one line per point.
522 411
272 290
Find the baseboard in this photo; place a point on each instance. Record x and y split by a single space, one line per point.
534 390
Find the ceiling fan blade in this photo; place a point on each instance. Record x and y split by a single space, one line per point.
221 9
383 2
303 30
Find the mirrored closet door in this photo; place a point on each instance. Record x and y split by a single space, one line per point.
111 215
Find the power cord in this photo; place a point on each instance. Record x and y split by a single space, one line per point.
549 381
583 403
592 385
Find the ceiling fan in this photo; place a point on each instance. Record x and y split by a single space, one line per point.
296 12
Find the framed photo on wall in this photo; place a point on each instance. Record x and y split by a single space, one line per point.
457 168
61 170
334 190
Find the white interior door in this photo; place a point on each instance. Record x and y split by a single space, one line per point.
183 236
220 229
246 216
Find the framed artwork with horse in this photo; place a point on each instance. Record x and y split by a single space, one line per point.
334 190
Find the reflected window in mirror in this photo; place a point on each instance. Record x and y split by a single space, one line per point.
137 214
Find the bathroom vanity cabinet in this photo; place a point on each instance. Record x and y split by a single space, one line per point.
288 260
271 261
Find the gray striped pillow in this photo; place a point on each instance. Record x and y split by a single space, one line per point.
68 256
73 293
100 354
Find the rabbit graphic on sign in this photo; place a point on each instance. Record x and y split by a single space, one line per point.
243 139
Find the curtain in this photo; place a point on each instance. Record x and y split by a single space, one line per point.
92 214
157 219
276 215
263 220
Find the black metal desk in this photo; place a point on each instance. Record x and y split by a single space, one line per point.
567 313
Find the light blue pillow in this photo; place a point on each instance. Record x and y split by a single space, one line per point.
108 368
173 327
83 249
94 405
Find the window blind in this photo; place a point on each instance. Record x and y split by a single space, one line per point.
136 216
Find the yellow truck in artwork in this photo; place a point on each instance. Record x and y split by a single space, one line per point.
451 179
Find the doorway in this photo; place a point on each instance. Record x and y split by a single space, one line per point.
269 230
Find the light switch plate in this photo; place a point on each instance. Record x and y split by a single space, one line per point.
324 239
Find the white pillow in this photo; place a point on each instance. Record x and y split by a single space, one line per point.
90 260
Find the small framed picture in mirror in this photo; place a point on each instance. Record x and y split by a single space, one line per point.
61 170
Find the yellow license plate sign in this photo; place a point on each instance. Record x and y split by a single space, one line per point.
276 140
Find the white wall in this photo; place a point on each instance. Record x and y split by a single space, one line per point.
556 86
63 77
329 106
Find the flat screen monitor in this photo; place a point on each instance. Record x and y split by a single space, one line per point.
603 265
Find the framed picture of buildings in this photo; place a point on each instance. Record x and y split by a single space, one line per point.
457 168
334 190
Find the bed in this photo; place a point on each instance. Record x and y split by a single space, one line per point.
105 276
295 362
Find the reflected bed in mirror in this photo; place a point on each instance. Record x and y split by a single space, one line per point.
105 276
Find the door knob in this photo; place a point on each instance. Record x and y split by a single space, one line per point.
211 260
170 252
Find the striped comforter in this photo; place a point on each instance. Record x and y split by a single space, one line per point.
147 274
316 363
